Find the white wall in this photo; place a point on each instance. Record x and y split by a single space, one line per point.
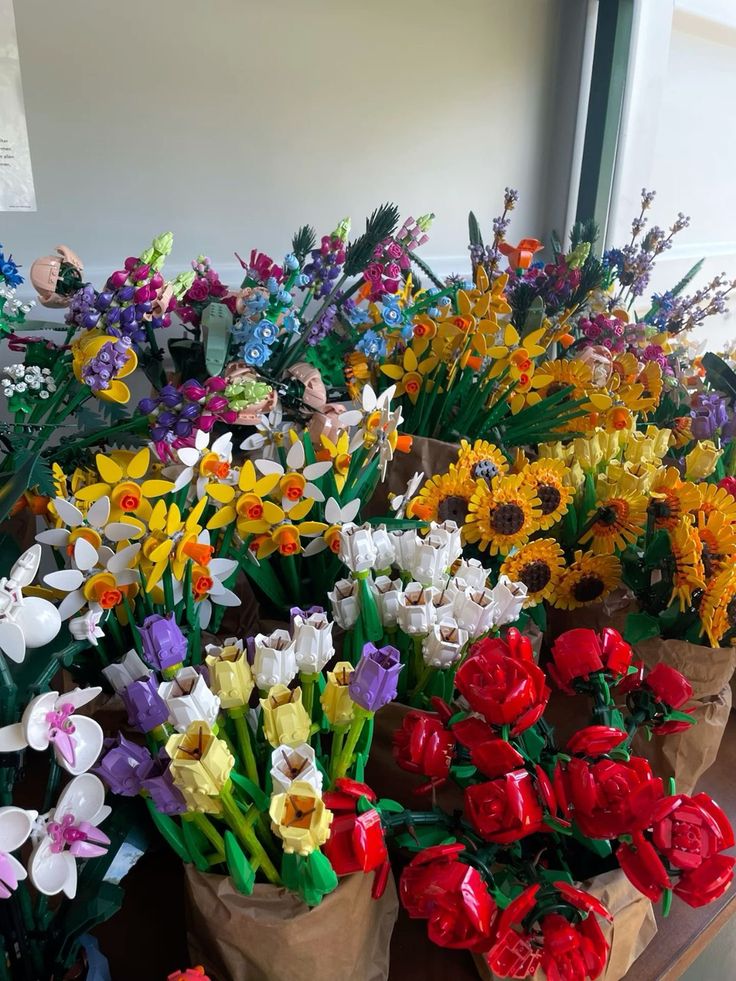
230 122
680 139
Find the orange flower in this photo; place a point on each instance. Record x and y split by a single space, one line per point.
520 256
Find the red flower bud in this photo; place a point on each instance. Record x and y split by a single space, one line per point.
595 740
423 745
493 756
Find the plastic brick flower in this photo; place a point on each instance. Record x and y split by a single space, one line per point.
211 465
174 540
15 828
200 762
299 817
252 510
617 520
94 526
588 578
503 515
718 606
231 677
411 374
539 566
97 583
285 720
688 574
123 482
100 360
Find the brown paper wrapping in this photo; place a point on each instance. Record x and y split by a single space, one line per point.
427 456
610 612
629 934
687 755
272 935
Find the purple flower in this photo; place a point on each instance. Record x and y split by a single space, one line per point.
374 681
157 781
121 764
164 645
145 707
708 414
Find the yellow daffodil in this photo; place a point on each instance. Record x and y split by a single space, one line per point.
174 540
252 511
285 538
410 376
123 483
339 453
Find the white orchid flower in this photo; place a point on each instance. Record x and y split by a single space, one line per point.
109 570
67 833
94 526
15 828
49 719
25 621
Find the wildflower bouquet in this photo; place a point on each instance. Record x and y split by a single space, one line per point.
510 878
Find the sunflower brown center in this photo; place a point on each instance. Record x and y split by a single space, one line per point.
507 519
549 497
556 387
453 508
535 575
708 564
588 588
485 470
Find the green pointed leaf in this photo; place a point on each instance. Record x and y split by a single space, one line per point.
243 876
641 626
170 831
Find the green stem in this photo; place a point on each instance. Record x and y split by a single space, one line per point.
244 832
242 734
209 831
348 749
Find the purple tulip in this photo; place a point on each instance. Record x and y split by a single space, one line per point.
164 645
156 780
374 681
121 764
145 707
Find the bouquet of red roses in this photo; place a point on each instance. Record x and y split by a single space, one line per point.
501 877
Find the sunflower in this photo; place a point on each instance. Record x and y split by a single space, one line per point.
718 540
651 378
587 579
563 373
444 497
671 498
503 514
547 479
539 565
718 607
682 432
625 368
482 460
687 554
715 498
617 520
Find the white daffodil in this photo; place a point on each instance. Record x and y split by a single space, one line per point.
95 578
94 526
50 718
208 463
296 478
25 621
208 586
15 828
336 516
269 435
367 417
67 833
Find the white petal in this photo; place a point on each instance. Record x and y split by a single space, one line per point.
35 726
80 696
123 559
183 479
54 536
333 512
99 512
88 739
316 470
205 614
188 456
15 826
223 445
85 555
315 546
65 579
295 456
105 553
12 738
223 596
84 797
12 641
350 511
119 531
369 398
222 568
353 417
311 490
269 466
71 604
127 577
254 442
68 513
202 439
356 441
53 872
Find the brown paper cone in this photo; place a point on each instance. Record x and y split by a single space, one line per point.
272 935
629 935
687 755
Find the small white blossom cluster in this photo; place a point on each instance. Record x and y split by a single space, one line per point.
13 305
20 378
444 609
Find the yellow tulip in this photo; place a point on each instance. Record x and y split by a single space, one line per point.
200 762
701 461
336 702
285 720
300 818
230 675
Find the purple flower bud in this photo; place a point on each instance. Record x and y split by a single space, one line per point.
140 273
167 419
141 294
191 412
131 262
125 294
89 320
164 645
113 315
157 281
118 279
374 681
127 315
120 765
170 396
145 707
147 406
183 428
104 300
156 780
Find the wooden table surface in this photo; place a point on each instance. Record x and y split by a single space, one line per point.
147 938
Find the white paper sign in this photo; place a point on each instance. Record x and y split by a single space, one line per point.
16 178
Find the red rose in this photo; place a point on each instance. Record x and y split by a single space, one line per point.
689 830
198 291
357 842
595 740
701 886
568 948
578 653
728 484
491 755
670 689
669 686
505 809
423 745
452 896
501 688
607 798
643 867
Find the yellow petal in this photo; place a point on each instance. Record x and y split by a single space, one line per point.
158 517
464 305
117 392
162 551
253 527
173 519
510 335
93 492
601 402
155 574
196 513
272 513
155 488
266 484
394 371
247 476
222 493
266 548
312 527
110 472
221 518
301 510
410 360
138 466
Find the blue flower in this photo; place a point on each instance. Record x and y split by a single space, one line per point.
356 316
256 353
271 285
291 323
391 312
291 262
285 297
9 270
256 302
265 331
372 345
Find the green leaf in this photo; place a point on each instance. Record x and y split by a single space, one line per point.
474 233
658 549
599 846
719 375
170 831
243 876
641 626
